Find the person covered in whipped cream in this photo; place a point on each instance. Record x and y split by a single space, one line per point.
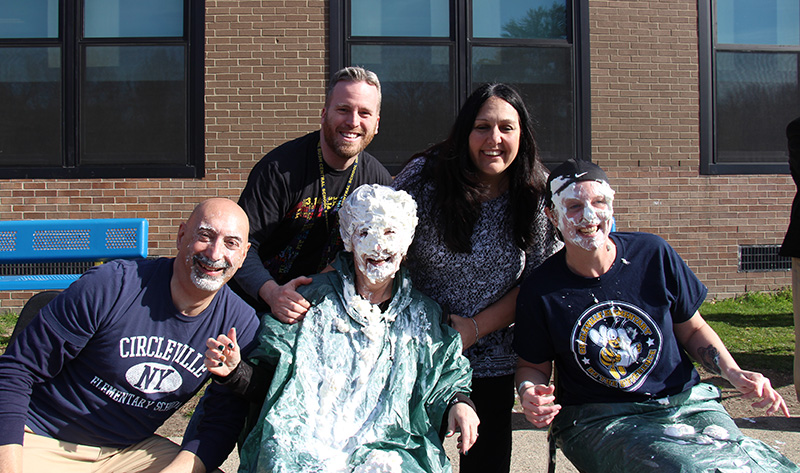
618 315
366 380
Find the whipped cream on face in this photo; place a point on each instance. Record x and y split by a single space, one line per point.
377 225
199 263
583 212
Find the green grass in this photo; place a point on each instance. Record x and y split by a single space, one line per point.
7 321
757 328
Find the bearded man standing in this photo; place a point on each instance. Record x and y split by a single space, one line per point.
293 194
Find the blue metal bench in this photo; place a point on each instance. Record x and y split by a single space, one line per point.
30 242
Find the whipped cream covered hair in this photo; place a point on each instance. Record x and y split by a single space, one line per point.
372 202
377 225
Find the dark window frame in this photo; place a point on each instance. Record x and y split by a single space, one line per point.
461 44
707 81
70 19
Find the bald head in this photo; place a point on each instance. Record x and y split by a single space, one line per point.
219 207
212 243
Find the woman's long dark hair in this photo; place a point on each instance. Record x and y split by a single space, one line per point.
458 191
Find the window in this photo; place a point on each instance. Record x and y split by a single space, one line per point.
750 84
101 88
431 54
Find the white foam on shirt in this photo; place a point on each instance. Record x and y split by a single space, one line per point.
379 461
716 432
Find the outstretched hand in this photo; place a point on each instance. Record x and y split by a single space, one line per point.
223 354
538 404
464 419
757 386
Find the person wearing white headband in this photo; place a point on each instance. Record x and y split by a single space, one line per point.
617 313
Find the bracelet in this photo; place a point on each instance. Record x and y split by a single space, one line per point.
477 334
523 386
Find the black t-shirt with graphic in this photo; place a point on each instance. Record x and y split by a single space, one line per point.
290 235
612 337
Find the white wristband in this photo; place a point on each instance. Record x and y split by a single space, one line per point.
523 386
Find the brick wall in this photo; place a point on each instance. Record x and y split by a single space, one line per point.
266 69
645 132
266 72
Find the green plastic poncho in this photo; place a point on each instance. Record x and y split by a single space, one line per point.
689 432
357 390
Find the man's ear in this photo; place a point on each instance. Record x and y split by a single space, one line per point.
552 215
181 233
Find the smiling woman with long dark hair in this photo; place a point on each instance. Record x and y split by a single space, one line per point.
481 229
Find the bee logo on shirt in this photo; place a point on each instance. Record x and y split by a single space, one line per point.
616 344
618 353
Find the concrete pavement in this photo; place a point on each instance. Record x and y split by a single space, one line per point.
530 444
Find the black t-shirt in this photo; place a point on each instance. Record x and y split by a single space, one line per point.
290 235
612 337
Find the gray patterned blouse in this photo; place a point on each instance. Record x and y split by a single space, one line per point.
466 283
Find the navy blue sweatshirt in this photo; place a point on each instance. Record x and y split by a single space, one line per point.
111 358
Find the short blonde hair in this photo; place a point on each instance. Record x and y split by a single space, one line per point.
353 74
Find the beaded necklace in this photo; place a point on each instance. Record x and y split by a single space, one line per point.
322 185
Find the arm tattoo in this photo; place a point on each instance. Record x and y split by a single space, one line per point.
709 358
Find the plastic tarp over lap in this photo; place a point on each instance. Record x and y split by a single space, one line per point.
688 432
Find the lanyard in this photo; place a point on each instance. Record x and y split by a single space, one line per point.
322 185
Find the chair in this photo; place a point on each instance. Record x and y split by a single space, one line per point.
551 441
552 448
30 310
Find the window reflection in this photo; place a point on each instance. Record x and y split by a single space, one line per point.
30 94
545 19
763 85
775 22
418 100
133 18
420 18
133 105
28 19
